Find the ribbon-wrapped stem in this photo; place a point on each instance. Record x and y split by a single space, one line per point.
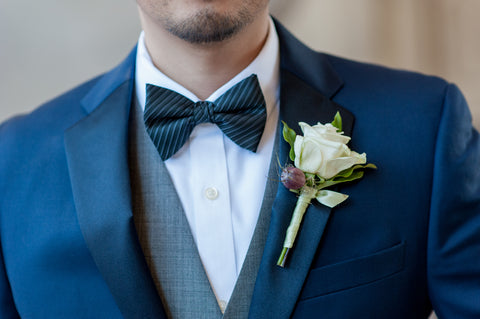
306 195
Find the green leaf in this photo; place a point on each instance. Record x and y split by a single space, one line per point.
337 122
349 171
289 135
355 175
344 173
347 175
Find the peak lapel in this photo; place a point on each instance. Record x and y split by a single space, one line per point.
277 289
97 155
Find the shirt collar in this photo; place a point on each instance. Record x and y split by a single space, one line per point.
265 66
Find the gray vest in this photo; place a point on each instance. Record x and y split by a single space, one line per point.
167 242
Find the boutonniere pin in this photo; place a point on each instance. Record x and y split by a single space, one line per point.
321 159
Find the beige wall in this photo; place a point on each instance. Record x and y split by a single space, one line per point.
50 45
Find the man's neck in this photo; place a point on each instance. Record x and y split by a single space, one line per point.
203 68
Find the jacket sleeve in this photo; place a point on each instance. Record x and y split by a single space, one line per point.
453 257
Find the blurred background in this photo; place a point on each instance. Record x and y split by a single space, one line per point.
50 46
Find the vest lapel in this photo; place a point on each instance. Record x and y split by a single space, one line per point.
164 233
239 303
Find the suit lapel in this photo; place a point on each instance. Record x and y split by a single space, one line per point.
305 91
96 149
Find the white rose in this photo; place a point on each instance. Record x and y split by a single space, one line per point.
323 151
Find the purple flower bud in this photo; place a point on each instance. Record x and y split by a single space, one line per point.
292 177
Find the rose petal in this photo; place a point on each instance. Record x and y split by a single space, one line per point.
308 155
334 166
324 132
331 149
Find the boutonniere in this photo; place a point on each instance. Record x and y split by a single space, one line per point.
321 159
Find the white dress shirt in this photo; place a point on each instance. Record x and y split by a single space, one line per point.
220 184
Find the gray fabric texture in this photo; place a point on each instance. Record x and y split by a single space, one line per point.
239 304
164 233
167 242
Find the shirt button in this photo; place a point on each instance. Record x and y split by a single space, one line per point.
211 193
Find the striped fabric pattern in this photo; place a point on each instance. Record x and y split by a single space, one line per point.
240 113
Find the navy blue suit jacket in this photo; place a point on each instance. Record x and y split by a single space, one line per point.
407 238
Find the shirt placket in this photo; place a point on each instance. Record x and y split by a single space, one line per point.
212 210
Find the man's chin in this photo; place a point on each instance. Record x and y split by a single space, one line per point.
207 27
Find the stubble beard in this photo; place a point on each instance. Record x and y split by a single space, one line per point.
208 26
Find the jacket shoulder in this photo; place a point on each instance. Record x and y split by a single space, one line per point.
40 132
54 114
369 76
42 129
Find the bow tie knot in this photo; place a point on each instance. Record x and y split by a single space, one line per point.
203 112
240 113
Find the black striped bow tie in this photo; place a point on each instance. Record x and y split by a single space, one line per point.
170 117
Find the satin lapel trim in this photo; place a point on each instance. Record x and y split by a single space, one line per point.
97 156
277 289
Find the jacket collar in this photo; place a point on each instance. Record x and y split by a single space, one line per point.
109 82
97 155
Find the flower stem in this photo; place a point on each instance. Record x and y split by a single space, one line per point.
306 195
283 257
